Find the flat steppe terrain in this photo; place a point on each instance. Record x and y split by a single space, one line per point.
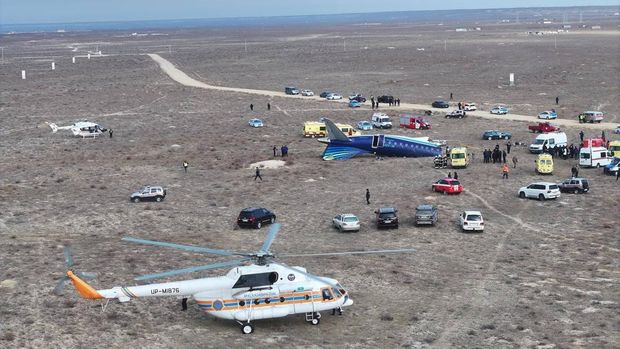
542 275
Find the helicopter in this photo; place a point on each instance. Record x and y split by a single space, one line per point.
264 289
81 129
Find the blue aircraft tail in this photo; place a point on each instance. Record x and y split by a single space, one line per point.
341 152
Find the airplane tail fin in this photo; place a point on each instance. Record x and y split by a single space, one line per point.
54 127
333 132
84 289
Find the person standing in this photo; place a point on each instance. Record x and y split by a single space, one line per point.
367 196
450 95
257 174
603 136
275 151
449 174
252 107
581 134
185 166
456 175
504 156
574 172
508 145
505 171
617 175
557 100
268 106
514 161
110 132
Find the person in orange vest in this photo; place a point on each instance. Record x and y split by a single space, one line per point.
505 171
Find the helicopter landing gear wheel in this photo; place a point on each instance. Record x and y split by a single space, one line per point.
247 328
315 321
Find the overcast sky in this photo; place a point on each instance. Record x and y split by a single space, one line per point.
57 11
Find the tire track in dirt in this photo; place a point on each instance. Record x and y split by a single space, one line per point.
182 78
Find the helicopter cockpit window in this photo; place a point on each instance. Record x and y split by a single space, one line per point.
336 293
327 295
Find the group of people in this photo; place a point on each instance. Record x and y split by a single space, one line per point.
392 102
283 151
496 155
564 152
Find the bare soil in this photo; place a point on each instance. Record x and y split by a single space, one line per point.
542 275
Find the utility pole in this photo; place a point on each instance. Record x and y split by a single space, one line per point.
555 41
245 44
2 55
344 44
445 45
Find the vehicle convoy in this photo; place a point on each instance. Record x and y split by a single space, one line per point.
614 148
255 217
544 164
426 214
458 157
543 127
574 185
440 104
387 218
346 222
291 90
447 186
594 157
414 122
317 129
540 191
547 141
381 120
456 114
149 193
471 220
495 134
591 116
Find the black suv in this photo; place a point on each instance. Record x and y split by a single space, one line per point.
386 217
385 99
440 104
255 217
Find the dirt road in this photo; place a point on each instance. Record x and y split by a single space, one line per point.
183 79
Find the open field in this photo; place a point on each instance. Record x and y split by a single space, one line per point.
542 275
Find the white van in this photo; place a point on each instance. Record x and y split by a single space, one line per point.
592 116
381 120
595 157
552 139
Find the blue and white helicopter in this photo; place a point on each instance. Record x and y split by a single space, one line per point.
341 147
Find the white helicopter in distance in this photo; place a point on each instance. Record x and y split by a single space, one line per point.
81 129
262 290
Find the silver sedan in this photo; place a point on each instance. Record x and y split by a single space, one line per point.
346 222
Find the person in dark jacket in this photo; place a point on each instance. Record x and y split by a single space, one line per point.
367 196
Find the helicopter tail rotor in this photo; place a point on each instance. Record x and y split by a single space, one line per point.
69 263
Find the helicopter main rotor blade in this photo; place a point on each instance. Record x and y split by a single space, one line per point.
193 269
273 231
86 275
190 248
311 276
68 257
59 289
406 250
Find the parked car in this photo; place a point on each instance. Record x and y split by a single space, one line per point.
617 130
333 96
471 220
346 222
470 107
291 90
385 99
540 191
574 185
456 114
255 217
494 134
364 125
354 104
543 127
357 97
256 123
149 193
613 167
387 218
548 114
425 214
307 93
440 104
499 110
447 186
381 120
324 94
